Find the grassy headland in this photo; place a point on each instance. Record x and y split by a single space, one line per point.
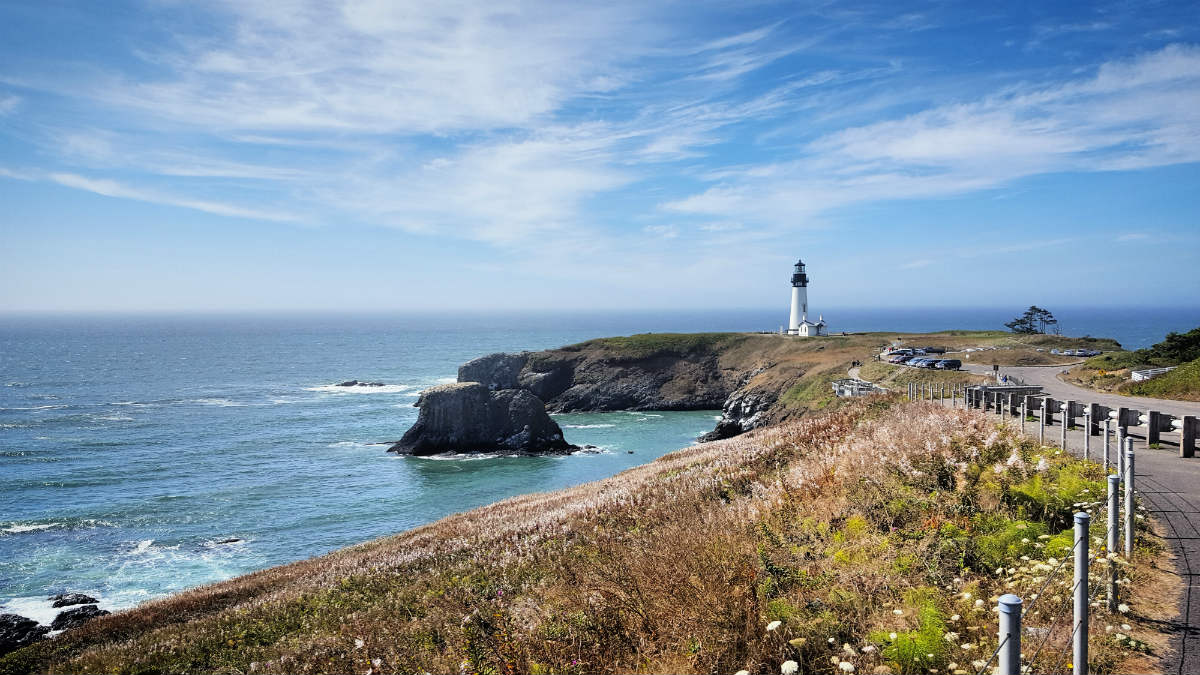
877 535
1111 372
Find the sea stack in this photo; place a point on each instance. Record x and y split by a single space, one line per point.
470 417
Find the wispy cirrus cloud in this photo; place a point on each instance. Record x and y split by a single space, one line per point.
1133 113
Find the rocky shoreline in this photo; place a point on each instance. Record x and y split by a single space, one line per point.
18 631
500 400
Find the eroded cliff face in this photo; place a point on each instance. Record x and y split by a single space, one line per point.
742 375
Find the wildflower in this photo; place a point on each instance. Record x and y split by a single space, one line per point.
978 664
955 617
979 603
846 667
867 649
830 640
848 649
966 596
898 612
951 636
773 625
1123 608
967 646
358 643
788 667
1125 626
892 636
742 672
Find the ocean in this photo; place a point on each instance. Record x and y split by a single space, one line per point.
143 455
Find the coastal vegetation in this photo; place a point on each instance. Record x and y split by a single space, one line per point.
1112 371
872 538
1034 320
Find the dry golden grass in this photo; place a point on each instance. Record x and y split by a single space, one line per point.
877 519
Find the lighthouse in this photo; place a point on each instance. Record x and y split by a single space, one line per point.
798 323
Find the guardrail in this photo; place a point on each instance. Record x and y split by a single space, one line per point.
1090 584
1140 375
1155 427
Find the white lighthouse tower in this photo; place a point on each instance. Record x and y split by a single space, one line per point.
798 323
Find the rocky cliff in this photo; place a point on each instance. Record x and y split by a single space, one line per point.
470 417
745 376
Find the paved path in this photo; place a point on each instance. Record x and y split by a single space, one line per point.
1047 378
1169 487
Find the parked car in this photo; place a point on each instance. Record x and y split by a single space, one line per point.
935 350
949 364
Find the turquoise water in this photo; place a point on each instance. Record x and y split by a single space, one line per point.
131 448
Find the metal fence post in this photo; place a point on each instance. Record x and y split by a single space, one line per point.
1009 608
1042 422
1087 435
1107 438
1024 414
1111 545
1120 457
1083 523
1129 476
1062 442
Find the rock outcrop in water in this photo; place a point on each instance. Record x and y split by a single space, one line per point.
77 617
68 599
17 631
470 417
753 379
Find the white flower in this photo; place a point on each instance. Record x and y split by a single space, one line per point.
742 672
955 617
867 649
1126 626
979 603
358 643
1123 608
773 625
898 612
848 649
951 637
846 666
967 646
892 636
788 667
830 640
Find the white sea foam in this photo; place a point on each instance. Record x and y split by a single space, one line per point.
588 426
143 546
114 418
361 389
58 406
219 402
446 380
462 456
352 444
17 528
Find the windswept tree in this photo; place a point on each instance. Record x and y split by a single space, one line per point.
1034 320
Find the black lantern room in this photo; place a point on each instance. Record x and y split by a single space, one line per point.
799 278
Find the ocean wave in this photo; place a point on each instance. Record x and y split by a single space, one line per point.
595 450
57 406
112 418
361 389
588 426
352 444
461 456
219 402
16 527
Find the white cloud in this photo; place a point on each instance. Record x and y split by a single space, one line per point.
1132 236
9 103
110 188
1131 114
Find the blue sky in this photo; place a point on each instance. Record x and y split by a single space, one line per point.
383 155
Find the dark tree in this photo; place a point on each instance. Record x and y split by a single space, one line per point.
1034 320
